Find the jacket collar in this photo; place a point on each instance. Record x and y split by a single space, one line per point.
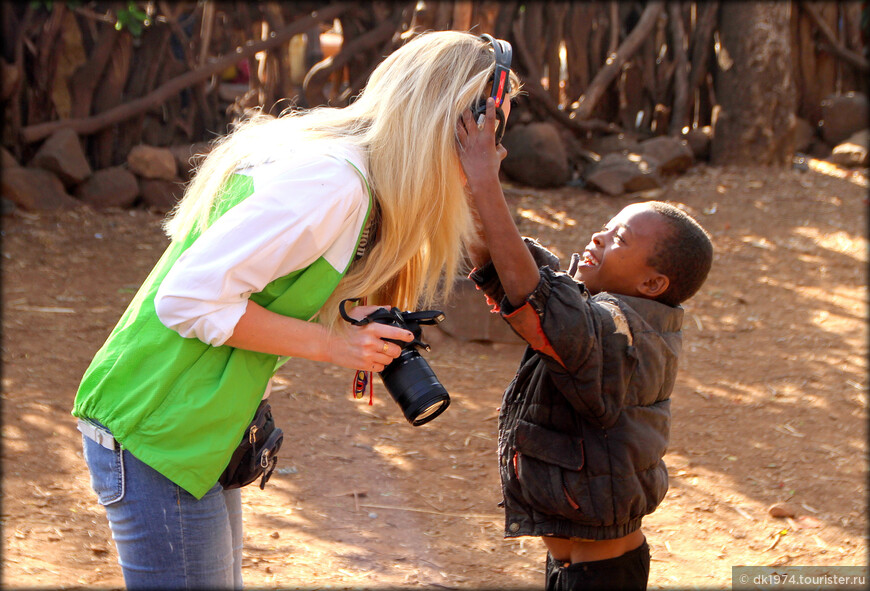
661 317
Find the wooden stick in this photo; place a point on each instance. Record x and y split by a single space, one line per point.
679 114
615 61
533 86
319 73
701 44
89 125
834 46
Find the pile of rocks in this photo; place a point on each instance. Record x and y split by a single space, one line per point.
542 155
59 176
842 136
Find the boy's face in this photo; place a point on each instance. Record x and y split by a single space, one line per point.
615 260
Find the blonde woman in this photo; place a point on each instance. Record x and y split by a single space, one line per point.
285 218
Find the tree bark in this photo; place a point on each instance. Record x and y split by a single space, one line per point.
754 87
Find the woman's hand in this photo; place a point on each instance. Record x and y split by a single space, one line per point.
479 155
364 347
355 347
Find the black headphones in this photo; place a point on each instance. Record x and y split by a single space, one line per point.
501 84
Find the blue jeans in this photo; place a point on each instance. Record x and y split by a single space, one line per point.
166 538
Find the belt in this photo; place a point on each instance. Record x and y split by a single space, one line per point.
99 434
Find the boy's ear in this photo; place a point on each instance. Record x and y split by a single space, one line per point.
654 285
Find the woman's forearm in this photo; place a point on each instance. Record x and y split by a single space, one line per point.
267 332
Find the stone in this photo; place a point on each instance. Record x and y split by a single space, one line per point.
617 174
782 510
7 160
36 189
698 140
6 206
536 155
110 187
188 157
673 155
160 195
467 316
853 152
63 155
622 143
804 135
150 162
11 79
842 116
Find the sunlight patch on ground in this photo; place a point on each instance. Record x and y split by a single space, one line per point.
747 516
557 220
807 238
840 242
393 455
859 177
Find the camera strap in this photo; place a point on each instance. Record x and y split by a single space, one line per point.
362 378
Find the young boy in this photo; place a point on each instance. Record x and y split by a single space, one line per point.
584 424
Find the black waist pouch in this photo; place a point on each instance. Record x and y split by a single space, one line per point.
257 453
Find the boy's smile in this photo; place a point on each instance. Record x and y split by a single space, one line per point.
616 259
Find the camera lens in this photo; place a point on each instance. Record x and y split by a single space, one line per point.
430 413
415 388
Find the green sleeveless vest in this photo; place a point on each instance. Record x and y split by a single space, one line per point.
181 405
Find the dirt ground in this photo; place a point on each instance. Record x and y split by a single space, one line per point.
770 406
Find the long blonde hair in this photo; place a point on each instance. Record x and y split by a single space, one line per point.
404 122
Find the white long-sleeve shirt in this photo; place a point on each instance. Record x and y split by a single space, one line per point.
308 202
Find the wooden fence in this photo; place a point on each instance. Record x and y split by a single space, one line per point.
181 73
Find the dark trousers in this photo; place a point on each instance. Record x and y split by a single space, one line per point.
627 572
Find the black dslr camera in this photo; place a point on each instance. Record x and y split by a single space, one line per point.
409 379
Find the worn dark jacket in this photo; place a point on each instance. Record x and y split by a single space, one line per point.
584 424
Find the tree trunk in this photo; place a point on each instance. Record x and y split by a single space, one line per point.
754 85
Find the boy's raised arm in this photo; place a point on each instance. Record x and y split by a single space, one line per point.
480 159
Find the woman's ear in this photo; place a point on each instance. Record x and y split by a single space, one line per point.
654 285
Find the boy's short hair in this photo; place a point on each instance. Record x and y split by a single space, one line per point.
684 254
